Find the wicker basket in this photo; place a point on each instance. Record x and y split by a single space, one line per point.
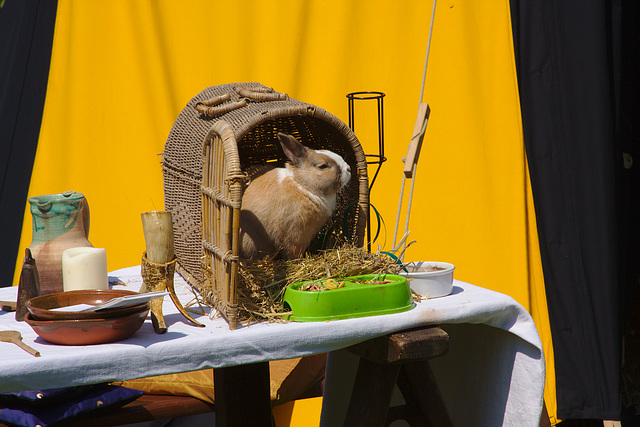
217 139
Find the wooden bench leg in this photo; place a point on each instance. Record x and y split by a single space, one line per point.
242 396
399 358
371 394
422 396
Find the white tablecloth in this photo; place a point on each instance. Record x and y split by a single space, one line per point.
493 374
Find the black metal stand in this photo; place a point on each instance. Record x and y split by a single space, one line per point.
378 159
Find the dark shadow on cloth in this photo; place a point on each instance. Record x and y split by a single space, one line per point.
456 290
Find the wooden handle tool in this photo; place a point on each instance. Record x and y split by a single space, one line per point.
16 338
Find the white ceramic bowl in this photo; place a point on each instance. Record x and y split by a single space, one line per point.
431 279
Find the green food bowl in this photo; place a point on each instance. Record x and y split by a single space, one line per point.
356 296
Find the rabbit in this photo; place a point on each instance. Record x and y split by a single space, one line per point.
284 208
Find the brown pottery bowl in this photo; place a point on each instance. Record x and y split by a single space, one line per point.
88 331
41 307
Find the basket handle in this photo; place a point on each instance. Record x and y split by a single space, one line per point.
219 105
215 106
259 94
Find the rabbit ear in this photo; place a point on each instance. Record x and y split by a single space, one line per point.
294 150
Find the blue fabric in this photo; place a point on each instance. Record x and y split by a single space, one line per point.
44 397
44 407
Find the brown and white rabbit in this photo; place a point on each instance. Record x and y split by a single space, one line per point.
284 208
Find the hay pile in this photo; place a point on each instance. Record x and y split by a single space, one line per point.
262 282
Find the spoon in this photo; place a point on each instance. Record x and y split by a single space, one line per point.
16 338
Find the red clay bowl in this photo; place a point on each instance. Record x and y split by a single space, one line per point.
40 307
88 331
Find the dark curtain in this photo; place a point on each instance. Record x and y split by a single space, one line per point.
576 89
26 37
628 135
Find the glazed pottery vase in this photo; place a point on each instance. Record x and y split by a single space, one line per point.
60 221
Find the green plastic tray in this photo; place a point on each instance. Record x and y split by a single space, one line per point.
352 300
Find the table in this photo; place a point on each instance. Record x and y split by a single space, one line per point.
493 374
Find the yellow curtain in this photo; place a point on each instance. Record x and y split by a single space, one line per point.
122 71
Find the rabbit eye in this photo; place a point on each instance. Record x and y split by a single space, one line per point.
323 166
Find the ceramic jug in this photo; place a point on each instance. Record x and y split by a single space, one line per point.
60 221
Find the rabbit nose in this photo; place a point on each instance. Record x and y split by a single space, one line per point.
348 168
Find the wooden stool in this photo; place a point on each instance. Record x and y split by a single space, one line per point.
238 385
242 396
400 358
242 400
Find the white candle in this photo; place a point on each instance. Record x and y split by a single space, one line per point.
84 268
